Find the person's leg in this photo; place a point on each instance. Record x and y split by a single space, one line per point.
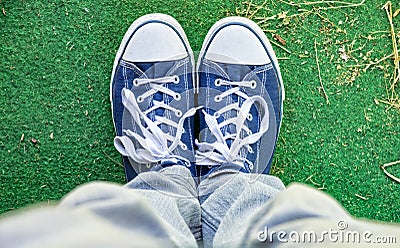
152 100
242 93
240 206
228 198
172 193
152 96
305 217
140 214
248 210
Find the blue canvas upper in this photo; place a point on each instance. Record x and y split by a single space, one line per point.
267 86
125 75
153 101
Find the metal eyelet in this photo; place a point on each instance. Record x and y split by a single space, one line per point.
250 149
184 146
217 98
140 99
217 82
217 114
253 84
178 113
249 117
176 80
177 97
136 82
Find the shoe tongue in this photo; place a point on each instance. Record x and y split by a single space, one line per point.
236 72
156 69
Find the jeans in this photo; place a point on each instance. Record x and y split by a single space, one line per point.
166 208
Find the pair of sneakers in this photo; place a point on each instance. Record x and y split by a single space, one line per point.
225 110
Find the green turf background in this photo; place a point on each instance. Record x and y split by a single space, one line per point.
56 62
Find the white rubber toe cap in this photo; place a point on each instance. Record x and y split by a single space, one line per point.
154 42
236 44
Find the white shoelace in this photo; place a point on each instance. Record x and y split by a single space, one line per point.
219 152
155 141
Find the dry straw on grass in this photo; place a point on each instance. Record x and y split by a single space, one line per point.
393 98
314 8
351 71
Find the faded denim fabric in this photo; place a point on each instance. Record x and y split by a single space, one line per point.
229 209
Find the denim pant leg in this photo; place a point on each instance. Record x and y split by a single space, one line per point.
172 192
248 210
228 198
302 216
162 211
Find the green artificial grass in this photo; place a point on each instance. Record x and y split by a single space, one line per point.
56 62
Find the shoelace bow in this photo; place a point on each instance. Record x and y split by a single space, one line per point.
214 154
154 141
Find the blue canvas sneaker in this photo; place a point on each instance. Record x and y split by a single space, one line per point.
152 96
241 89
